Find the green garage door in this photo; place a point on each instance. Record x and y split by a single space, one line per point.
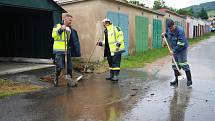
157 30
141 25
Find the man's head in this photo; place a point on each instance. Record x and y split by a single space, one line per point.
106 22
67 20
171 25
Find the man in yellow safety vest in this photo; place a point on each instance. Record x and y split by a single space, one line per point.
65 37
113 43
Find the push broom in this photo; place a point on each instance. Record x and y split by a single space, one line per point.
180 77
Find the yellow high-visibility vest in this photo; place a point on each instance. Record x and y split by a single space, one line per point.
114 36
59 39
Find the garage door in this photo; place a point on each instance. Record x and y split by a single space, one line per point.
157 30
25 32
121 20
141 33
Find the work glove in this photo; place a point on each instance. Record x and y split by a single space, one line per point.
164 35
171 53
99 43
118 44
68 29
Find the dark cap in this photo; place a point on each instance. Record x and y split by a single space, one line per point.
170 22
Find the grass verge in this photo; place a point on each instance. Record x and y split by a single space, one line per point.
140 59
9 88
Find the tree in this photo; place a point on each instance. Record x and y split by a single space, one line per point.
158 4
171 9
191 11
184 12
135 2
203 14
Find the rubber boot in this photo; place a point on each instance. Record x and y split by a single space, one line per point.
56 78
189 78
71 82
111 75
116 76
175 82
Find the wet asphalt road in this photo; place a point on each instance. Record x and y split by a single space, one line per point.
139 96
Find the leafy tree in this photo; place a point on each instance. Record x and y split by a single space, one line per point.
184 12
171 9
135 2
203 14
191 11
158 4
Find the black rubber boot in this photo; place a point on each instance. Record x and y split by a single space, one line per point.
189 78
175 82
111 75
116 76
56 76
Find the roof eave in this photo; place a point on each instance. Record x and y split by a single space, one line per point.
116 1
59 7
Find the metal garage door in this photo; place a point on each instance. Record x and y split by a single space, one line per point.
141 33
157 30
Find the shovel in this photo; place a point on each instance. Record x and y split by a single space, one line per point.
180 77
86 66
68 78
99 33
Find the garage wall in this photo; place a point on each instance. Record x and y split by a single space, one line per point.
87 17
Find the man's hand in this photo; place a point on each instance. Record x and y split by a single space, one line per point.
99 43
163 35
171 52
63 27
118 46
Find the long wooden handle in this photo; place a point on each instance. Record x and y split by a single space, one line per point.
91 54
172 55
65 41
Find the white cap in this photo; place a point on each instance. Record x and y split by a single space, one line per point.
105 20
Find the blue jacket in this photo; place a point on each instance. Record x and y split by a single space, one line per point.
75 44
177 40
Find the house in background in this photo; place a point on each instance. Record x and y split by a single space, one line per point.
193 27
177 18
142 27
196 27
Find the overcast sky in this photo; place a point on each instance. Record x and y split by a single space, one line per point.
176 3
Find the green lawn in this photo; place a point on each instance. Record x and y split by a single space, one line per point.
211 13
140 59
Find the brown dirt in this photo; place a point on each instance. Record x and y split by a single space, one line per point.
8 87
79 66
94 67
98 68
158 64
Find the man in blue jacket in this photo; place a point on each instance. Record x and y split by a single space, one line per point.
179 44
65 37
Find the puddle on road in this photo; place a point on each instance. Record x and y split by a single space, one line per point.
95 99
